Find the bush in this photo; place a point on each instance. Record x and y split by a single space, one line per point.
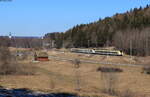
76 63
127 93
10 66
146 70
106 69
109 79
16 69
5 55
109 83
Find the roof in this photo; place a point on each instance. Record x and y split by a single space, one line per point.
41 54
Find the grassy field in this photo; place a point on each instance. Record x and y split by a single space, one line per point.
61 76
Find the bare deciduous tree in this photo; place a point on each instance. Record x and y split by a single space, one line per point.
109 82
76 64
138 40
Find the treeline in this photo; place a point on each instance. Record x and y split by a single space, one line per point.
125 31
21 42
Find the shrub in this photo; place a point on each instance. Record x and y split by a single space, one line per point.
109 83
76 63
16 69
5 55
109 79
127 93
10 66
146 70
106 69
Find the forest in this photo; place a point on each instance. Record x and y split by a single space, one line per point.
125 31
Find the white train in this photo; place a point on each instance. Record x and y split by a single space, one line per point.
87 51
98 52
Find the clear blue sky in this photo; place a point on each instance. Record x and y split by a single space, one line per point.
37 17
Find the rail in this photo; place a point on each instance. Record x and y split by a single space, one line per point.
95 62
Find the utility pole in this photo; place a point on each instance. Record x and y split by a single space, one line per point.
10 36
147 45
88 43
88 47
131 48
107 45
42 38
96 41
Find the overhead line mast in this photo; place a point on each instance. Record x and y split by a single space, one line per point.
10 35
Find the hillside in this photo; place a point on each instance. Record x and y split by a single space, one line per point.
121 30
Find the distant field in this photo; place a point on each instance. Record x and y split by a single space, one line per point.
61 76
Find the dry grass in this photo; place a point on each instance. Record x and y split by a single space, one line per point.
59 76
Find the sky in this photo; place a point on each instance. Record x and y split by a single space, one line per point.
38 17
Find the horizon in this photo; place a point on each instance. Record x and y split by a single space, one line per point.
36 18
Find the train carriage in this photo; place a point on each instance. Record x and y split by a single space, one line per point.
98 52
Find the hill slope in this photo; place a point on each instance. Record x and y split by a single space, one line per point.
119 30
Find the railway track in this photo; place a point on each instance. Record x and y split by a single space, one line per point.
94 62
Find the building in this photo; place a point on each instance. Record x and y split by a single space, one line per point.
41 56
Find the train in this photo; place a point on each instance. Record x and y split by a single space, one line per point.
98 51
